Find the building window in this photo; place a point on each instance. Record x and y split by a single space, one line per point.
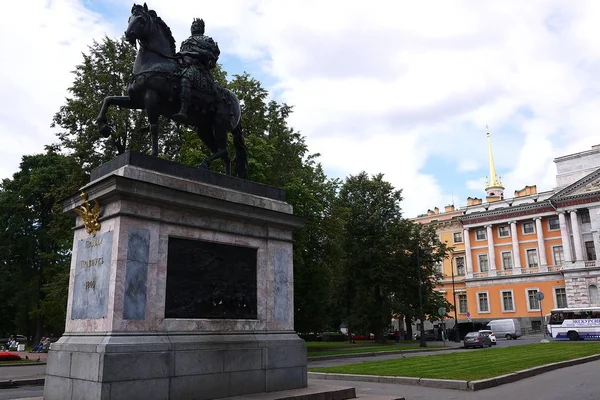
507 260
480 234
503 231
439 268
507 301
483 263
532 258
561 297
528 228
462 303
460 265
553 224
484 305
457 237
559 255
585 215
590 251
593 292
533 302
536 325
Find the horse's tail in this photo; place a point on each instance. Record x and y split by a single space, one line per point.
241 152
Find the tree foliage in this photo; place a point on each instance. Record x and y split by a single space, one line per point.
35 242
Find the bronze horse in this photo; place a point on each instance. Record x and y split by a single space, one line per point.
155 88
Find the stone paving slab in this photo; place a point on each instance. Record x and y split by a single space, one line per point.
315 391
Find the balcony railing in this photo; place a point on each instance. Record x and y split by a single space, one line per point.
535 270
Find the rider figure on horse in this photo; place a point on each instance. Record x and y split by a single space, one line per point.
198 56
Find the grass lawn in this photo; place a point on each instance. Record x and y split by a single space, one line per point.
334 348
13 362
472 365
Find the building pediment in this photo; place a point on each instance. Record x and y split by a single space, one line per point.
588 186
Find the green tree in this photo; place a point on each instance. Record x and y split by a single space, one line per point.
369 274
420 250
35 241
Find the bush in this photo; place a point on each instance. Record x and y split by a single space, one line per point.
8 356
310 337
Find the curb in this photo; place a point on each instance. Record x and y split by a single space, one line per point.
398 380
456 384
24 364
21 382
377 353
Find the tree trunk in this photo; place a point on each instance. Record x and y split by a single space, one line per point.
378 328
409 332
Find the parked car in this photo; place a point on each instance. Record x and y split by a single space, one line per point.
509 328
21 339
430 334
489 334
476 339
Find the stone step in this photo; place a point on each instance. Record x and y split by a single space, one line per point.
378 397
314 391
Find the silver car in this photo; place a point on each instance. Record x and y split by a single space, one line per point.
477 339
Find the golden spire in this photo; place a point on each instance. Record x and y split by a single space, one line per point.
493 180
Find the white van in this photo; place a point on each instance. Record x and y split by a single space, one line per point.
509 328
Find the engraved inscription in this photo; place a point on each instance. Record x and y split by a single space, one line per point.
210 280
92 271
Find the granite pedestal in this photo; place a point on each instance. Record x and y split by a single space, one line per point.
186 291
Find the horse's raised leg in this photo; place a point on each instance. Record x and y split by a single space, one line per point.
121 101
153 113
220 129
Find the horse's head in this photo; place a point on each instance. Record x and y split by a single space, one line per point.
139 24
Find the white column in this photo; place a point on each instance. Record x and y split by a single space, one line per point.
468 259
564 235
515 247
541 245
491 251
576 236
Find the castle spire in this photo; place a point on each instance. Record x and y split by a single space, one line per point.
494 186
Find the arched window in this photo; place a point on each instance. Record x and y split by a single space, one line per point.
593 292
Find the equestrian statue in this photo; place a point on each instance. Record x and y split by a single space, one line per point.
180 86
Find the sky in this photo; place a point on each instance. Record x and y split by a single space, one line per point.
403 88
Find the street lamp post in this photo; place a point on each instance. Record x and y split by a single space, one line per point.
456 338
422 342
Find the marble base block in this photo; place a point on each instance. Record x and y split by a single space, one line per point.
173 367
213 319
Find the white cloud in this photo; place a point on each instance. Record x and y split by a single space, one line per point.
387 86
42 42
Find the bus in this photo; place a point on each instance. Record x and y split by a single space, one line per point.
574 323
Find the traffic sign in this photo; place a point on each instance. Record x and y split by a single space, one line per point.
468 314
539 296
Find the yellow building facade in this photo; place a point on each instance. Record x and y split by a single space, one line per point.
506 250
